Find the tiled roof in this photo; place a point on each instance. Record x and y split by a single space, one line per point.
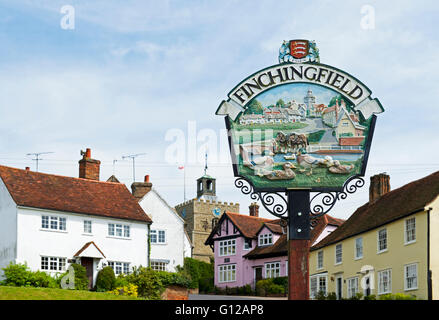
393 205
280 247
248 225
53 192
77 254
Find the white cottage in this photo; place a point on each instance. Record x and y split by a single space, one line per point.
170 243
49 221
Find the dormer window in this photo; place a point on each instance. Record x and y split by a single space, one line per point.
265 239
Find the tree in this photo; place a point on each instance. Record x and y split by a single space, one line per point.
255 107
280 103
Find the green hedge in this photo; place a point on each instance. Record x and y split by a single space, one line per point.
268 286
151 284
201 274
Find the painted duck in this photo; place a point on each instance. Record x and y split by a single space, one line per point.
339 168
286 173
306 161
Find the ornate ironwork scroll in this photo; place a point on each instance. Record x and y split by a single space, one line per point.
320 204
268 199
329 199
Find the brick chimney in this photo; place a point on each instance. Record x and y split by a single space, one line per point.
88 167
379 185
139 189
254 210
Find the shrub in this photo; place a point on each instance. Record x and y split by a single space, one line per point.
121 281
177 279
201 274
206 285
370 297
126 290
81 279
219 291
148 282
105 280
19 275
267 286
397 296
320 295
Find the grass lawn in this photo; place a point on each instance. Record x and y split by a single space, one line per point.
29 293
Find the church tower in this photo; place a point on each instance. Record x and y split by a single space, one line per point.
202 213
310 101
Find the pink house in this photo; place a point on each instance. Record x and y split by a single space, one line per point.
248 248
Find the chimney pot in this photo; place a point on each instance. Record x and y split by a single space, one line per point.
379 186
27 168
254 209
140 189
88 167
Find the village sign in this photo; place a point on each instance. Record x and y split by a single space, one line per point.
300 123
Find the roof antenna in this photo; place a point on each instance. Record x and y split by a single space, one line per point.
37 157
133 157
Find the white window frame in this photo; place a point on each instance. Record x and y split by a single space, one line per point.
406 288
379 250
53 264
120 267
265 239
406 231
317 279
272 269
357 257
159 265
119 231
227 273
380 282
88 227
53 223
227 247
158 236
320 257
352 287
339 245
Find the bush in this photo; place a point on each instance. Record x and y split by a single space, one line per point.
121 281
148 282
19 275
174 279
267 286
105 280
81 279
201 274
370 297
397 296
127 290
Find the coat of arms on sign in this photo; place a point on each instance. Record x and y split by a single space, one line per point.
299 48
299 51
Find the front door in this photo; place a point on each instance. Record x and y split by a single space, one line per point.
339 287
258 274
87 263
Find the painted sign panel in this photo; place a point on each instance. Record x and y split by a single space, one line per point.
303 125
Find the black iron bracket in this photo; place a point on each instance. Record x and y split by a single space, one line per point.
296 208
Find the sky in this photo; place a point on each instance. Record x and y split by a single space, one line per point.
146 77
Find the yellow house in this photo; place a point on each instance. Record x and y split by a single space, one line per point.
389 245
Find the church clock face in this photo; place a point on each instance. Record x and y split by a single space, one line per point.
216 212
